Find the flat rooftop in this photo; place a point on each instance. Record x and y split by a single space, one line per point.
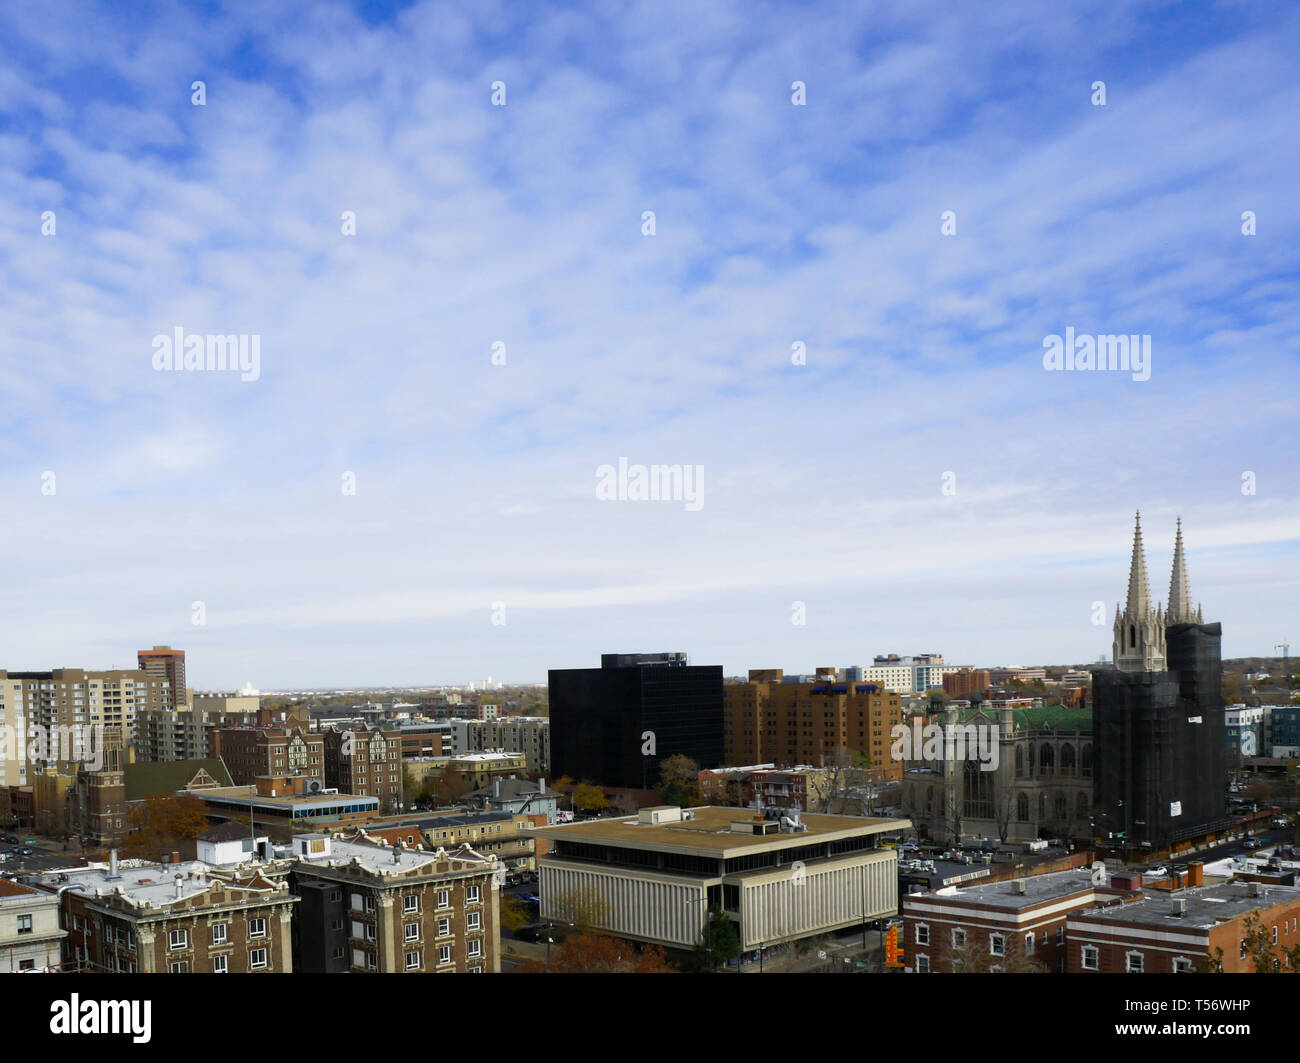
709 831
378 857
244 794
1003 895
152 884
1206 905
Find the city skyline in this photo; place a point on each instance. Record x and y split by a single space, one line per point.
870 232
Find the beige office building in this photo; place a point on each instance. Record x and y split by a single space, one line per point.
658 873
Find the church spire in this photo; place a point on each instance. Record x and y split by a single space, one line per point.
1180 598
1139 590
1139 642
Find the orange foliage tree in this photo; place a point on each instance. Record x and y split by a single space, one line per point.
602 954
161 822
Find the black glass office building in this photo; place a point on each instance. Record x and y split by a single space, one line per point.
615 724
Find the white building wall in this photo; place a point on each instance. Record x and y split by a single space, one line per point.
785 905
655 907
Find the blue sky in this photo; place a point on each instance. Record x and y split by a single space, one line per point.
521 224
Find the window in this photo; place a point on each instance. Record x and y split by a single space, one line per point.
922 934
219 933
1089 958
1275 934
444 954
444 899
179 939
1060 934
370 903
997 945
370 932
412 931
181 967
959 939
25 925
1029 944
444 927
476 970
473 921
26 965
412 960
1182 965
257 958
472 894
411 903
220 964
338 952
475 948
336 895
923 965
257 928
1133 962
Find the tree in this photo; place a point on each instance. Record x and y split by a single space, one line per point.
1267 957
678 781
719 940
514 913
847 776
163 822
601 954
589 798
583 908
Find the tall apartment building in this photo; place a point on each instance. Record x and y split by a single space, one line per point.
810 723
529 735
614 724
366 763
66 702
390 909
282 751
162 663
187 732
905 675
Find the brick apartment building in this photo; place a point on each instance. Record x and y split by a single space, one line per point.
365 762
178 918
965 682
391 909
529 735
1083 922
1163 932
810 723
253 751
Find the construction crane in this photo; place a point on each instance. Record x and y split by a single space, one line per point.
1285 647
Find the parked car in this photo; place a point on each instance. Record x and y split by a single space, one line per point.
539 932
1251 843
529 898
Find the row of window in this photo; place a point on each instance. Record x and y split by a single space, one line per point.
411 901
180 939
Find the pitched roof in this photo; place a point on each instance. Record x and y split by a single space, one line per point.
225 832
166 777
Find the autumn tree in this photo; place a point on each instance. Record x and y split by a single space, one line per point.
583 908
679 781
601 954
162 823
588 797
514 913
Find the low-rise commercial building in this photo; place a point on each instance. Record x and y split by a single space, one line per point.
655 876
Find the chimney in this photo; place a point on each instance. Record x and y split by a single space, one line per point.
1195 873
176 858
496 786
180 886
112 863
